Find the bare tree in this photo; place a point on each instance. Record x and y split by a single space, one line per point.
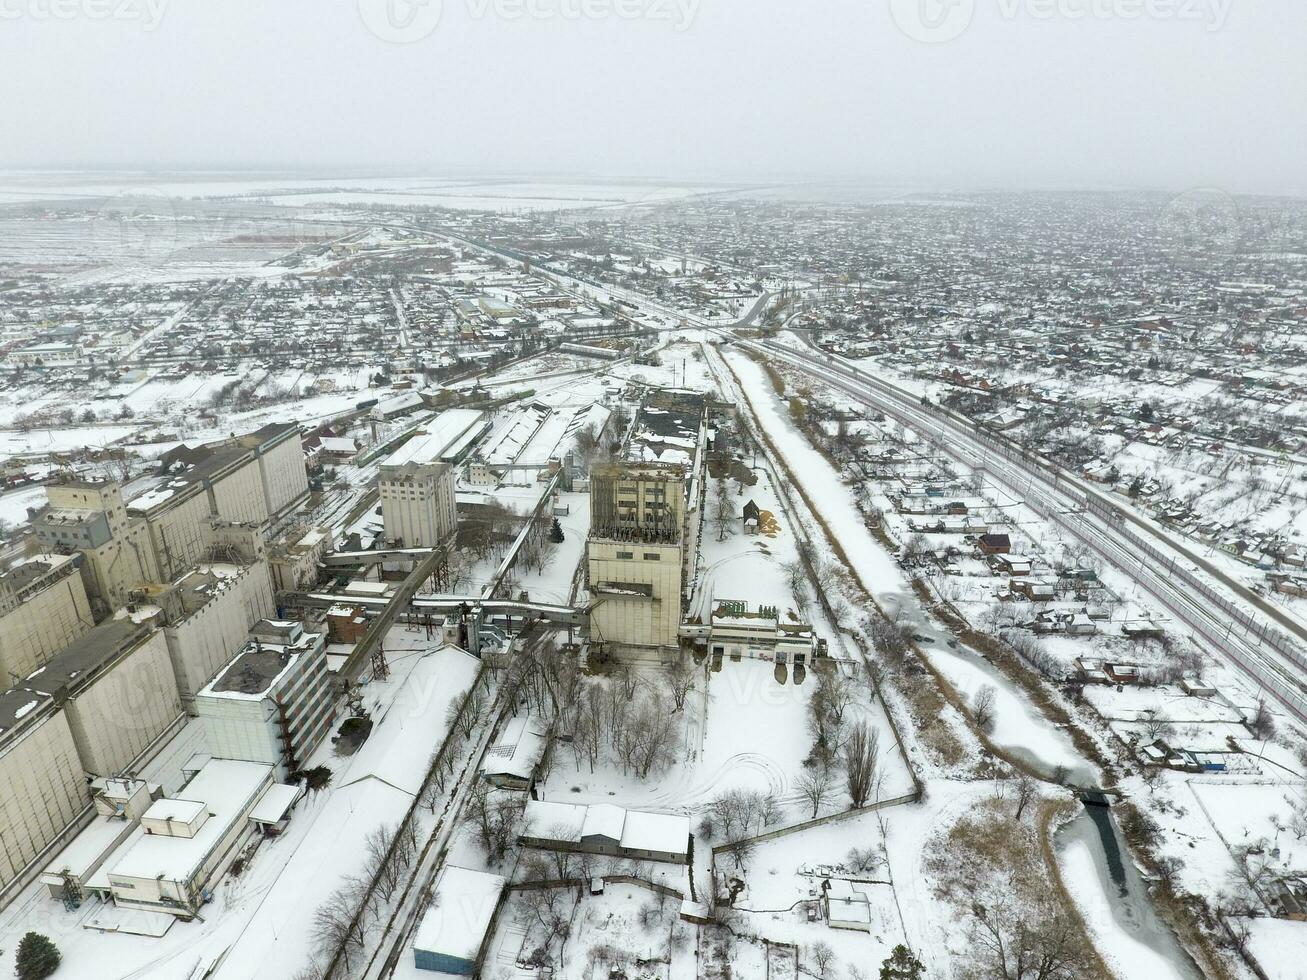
863 859
836 691
1297 816
653 730
1027 789
796 577
816 786
822 956
861 756
1019 946
982 708
1262 724
383 870
495 819
680 678
723 512
338 924
1155 724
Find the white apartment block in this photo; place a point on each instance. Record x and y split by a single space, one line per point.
43 608
272 703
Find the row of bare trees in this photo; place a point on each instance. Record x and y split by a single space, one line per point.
341 925
344 921
840 744
537 547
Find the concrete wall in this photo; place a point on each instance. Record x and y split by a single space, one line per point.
283 475
418 508
177 535
42 791
208 639
636 621
117 567
41 626
240 729
238 496
120 714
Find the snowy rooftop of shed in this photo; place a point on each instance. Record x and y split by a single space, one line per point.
461 909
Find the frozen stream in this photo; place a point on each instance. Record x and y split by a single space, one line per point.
1020 728
1116 905
1115 902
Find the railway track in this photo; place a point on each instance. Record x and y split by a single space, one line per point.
1215 617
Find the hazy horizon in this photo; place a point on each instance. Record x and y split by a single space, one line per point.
1051 94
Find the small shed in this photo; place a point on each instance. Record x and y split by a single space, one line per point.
750 515
696 912
454 928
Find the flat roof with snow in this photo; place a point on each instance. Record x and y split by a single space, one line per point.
275 803
462 907
548 822
227 787
604 820
441 433
667 833
174 811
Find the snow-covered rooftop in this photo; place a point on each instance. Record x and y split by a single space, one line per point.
462 906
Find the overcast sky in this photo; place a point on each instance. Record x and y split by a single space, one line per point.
1029 92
